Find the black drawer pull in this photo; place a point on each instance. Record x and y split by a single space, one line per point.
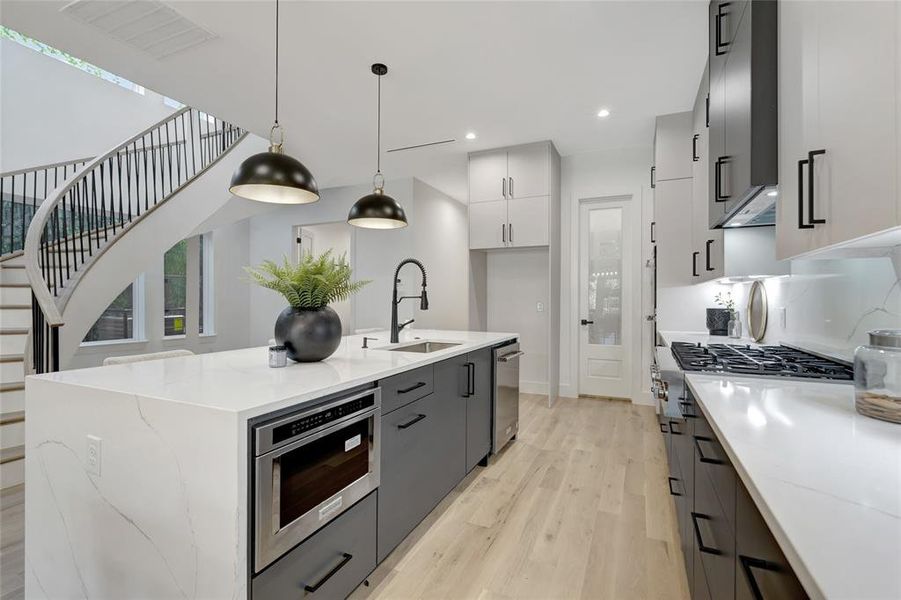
718 195
747 563
801 223
687 414
471 381
653 236
344 560
412 387
701 457
411 422
653 177
709 243
673 429
694 264
810 179
721 46
663 428
694 521
694 148
671 491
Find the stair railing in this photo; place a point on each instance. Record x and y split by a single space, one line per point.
21 192
105 198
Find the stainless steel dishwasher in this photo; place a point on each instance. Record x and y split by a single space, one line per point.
506 395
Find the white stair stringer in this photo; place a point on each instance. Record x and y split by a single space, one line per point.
15 319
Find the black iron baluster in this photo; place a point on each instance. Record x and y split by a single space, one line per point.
184 143
169 156
58 256
34 203
92 217
206 140
75 192
144 153
24 205
128 182
153 166
2 212
102 207
193 148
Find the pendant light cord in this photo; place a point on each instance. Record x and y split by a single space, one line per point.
276 63
378 134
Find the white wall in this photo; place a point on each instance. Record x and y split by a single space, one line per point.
337 238
436 234
518 280
51 111
622 172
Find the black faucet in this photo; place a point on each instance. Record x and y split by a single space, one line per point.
423 299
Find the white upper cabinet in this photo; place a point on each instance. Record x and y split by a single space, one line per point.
838 123
672 147
678 263
488 176
528 171
707 242
510 196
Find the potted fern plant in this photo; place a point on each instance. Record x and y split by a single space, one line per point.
309 328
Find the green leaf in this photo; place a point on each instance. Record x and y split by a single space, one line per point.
312 283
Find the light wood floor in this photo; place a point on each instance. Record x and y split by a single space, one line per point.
576 507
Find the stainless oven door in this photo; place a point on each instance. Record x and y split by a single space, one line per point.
303 485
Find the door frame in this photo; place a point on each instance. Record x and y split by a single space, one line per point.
627 203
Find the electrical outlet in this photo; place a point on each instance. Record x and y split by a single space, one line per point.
540 307
781 310
93 457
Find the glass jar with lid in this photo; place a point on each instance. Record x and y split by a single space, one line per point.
877 376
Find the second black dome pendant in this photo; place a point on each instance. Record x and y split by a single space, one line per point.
274 176
378 210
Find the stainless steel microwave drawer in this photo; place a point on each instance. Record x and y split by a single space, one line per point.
329 564
403 388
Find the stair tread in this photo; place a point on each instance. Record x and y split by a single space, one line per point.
13 416
13 331
15 285
12 453
15 306
3 266
4 358
12 386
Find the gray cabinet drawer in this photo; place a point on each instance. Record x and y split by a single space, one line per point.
333 562
422 460
712 458
715 539
404 388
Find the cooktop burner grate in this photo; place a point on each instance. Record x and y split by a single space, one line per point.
770 361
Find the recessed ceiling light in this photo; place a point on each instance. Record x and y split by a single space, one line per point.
470 136
603 113
772 193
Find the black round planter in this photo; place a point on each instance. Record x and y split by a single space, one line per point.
308 335
718 321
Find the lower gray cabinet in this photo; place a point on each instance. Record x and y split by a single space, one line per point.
478 406
422 460
330 564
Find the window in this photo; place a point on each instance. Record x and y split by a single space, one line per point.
175 268
123 318
6 32
206 284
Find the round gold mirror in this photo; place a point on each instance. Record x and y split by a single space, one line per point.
757 311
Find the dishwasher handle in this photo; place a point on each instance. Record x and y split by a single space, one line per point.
510 356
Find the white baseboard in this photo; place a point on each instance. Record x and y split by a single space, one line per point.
533 387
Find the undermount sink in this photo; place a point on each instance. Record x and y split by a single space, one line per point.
424 347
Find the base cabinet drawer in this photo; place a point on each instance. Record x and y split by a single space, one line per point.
423 458
404 388
330 564
715 539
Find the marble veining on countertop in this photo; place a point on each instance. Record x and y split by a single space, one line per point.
241 380
826 479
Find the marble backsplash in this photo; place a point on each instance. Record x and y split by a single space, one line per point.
828 304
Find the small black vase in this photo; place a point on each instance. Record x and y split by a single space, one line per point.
308 335
718 321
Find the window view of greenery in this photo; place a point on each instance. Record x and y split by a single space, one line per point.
117 321
175 266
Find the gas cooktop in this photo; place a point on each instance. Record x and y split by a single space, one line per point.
768 361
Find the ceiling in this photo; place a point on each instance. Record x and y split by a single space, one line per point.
512 72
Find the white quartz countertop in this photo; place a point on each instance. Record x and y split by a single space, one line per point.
241 380
826 479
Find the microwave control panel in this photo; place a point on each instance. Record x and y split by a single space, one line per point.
315 420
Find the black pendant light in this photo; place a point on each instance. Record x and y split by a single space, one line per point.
378 210
274 176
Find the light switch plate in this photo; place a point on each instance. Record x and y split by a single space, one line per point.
782 318
92 460
540 307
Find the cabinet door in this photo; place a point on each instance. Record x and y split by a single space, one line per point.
797 116
478 407
672 215
488 225
709 242
735 172
528 221
488 176
716 149
672 146
529 170
724 18
855 180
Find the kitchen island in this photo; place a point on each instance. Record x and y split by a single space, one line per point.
138 476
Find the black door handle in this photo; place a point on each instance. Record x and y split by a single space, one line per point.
694 148
471 381
810 192
673 429
701 457
707 250
653 238
801 223
663 428
586 322
671 491
747 563
653 177
415 386
411 422
718 23
703 548
686 414
718 195
694 264
345 558
707 111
